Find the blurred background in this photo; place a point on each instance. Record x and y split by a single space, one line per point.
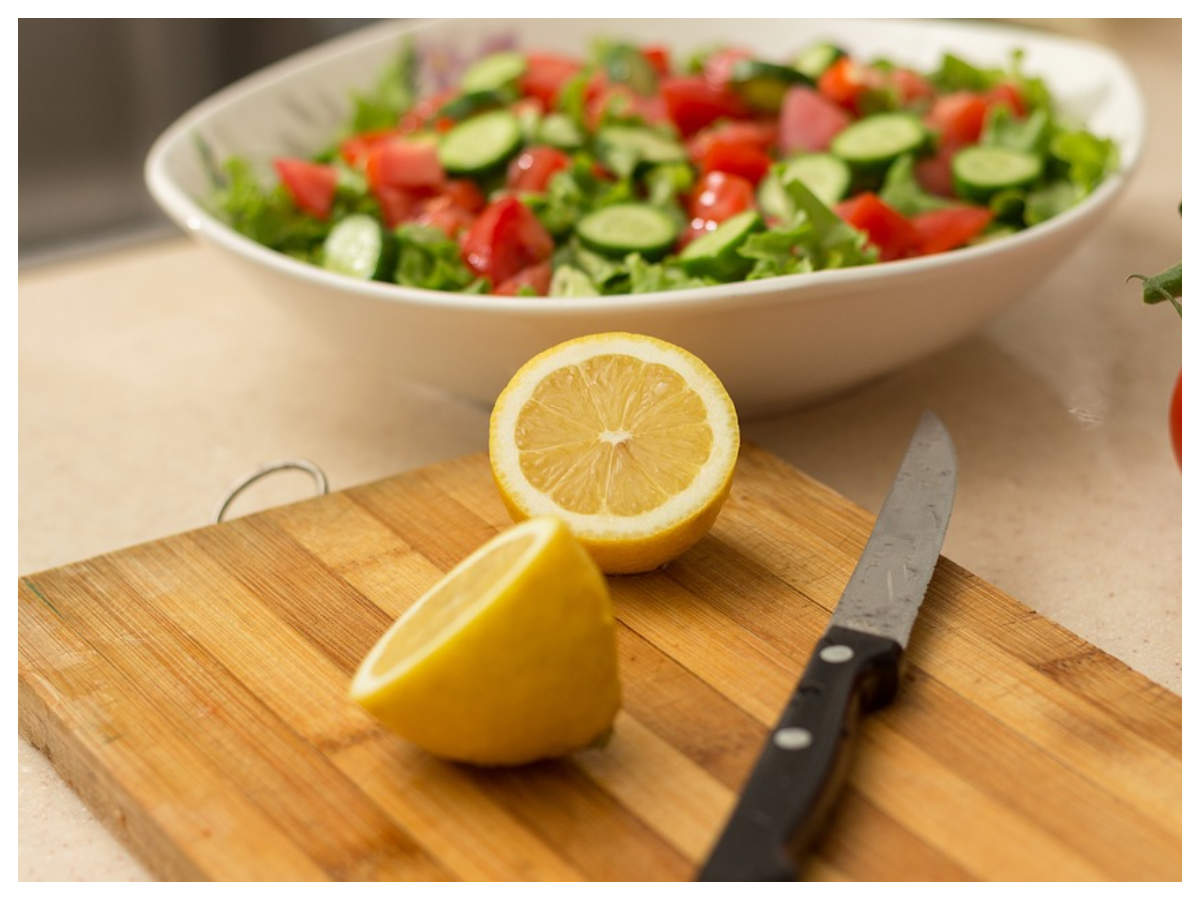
93 95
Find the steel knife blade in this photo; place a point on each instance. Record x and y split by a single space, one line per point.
855 668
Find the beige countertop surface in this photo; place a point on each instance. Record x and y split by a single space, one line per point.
153 377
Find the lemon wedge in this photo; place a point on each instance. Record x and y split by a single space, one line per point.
628 439
510 658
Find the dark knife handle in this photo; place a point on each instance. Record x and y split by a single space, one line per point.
799 773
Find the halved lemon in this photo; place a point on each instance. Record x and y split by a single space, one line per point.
628 439
510 658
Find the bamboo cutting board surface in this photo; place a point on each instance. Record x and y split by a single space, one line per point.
192 690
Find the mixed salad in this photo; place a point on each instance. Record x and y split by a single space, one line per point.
627 171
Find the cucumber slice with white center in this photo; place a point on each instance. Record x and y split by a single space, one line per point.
493 72
715 253
359 247
822 173
628 228
814 60
646 145
480 143
872 143
980 172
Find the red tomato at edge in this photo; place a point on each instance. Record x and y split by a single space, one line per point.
893 234
532 169
545 74
399 163
958 117
719 195
536 277
808 121
944 229
311 185
735 158
659 58
693 102
506 238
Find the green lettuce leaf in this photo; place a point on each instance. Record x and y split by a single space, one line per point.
1086 158
1028 135
1048 200
393 95
645 277
267 215
426 258
902 193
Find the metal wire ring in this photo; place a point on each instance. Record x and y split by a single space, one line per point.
263 471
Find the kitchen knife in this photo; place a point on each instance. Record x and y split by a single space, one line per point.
855 668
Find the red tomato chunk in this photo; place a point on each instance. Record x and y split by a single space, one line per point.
893 234
808 121
506 238
311 185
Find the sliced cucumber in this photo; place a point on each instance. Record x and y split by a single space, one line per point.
493 72
359 246
980 172
814 60
558 130
872 143
480 143
628 228
763 84
715 254
624 147
822 173
569 281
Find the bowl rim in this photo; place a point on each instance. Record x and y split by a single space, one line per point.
195 219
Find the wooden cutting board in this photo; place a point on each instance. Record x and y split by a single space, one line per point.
192 691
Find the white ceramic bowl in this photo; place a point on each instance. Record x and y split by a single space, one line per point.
775 343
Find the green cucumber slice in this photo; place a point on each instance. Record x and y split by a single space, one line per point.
980 172
558 130
466 105
628 228
359 246
872 143
715 254
763 84
493 72
813 61
480 143
822 173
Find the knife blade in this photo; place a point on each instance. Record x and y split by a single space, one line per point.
855 668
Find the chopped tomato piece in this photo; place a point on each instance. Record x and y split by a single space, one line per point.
397 204
735 158
506 238
845 81
720 195
404 164
692 103
958 117
425 111
910 86
659 58
463 193
945 229
355 149
311 185
808 121
893 234
536 277
1007 94
442 213
718 68
545 74
933 173
760 135
532 169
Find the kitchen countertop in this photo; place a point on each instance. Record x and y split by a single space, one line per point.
152 377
